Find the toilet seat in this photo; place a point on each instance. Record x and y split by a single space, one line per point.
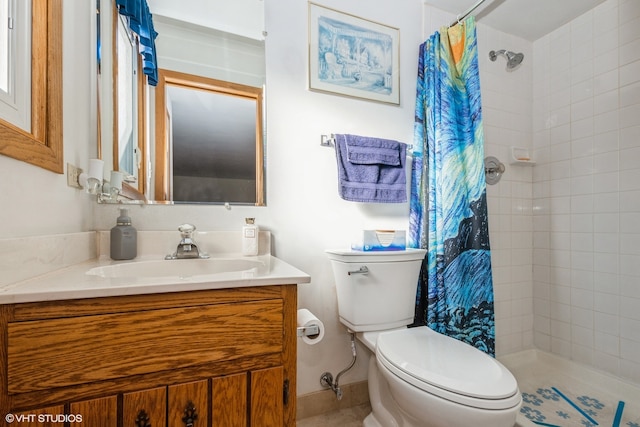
447 368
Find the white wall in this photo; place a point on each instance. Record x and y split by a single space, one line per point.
38 202
587 189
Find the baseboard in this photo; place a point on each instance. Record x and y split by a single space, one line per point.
320 402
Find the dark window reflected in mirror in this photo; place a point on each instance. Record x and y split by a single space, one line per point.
209 146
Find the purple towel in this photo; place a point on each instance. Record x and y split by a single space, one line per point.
371 170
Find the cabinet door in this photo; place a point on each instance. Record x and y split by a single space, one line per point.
145 408
188 404
46 417
229 401
101 412
267 397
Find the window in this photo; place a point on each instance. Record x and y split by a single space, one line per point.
41 143
15 63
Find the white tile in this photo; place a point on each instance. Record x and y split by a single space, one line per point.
605 62
606 21
606 182
629 349
605 122
606 162
630 329
630 201
605 242
607 343
630 116
606 263
560 98
606 203
630 137
583 70
606 82
606 303
582 223
630 95
629 52
605 102
582 109
582 336
628 11
607 141
630 244
560 241
630 266
606 283
630 158
582 147
582 128
603 44
582 184
630 222
608 222
582 204
630 180
582 166
560 134
582 261
629 73
582 90
629 31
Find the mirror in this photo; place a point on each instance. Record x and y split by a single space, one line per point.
207 39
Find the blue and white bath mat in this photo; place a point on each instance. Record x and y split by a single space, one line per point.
557 407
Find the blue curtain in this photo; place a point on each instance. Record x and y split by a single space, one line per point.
141 23
448 208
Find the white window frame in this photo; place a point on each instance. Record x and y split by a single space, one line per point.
15 103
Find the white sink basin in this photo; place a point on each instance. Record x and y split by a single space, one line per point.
183 268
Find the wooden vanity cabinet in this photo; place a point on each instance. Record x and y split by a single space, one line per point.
214 358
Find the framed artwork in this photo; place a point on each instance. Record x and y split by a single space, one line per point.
352 56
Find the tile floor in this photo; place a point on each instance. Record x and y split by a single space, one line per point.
349 417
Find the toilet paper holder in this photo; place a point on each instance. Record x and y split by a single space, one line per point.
308 331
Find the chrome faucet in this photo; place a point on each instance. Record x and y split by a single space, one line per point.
187 247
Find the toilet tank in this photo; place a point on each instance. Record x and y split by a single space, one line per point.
376 290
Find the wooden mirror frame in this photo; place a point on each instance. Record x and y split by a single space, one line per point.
167 77
42 146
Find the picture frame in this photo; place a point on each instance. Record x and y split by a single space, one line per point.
352 56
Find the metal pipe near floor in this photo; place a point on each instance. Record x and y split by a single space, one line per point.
326 379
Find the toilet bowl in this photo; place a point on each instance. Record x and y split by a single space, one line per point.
437 381
417 377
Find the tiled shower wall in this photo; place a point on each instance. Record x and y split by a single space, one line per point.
586 189
507 110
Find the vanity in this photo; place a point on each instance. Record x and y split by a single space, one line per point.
217 348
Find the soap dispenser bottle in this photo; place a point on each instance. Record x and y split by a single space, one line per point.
124 238
250 237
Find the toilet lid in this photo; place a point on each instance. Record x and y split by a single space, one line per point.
447 367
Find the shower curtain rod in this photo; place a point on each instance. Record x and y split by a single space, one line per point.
467 13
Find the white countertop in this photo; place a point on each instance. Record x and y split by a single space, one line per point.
73 282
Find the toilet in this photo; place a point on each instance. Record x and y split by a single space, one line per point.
417 377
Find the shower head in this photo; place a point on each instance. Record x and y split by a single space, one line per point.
513 59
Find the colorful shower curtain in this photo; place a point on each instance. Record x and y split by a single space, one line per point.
448 208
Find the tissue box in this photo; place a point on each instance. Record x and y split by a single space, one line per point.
384 240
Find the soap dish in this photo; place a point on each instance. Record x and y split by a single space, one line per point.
521 156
